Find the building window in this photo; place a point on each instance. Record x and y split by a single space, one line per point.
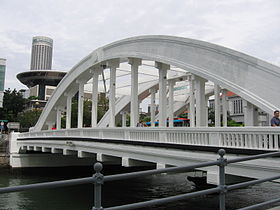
237 106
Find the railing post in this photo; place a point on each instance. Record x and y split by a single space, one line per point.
223 163
99 179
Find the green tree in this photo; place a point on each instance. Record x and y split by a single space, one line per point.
146 119
13 104
101 110
33 98
211 116
230 122
29 118
183 115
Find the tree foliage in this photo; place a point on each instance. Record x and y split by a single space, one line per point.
29 118
13 104
230 122
102 109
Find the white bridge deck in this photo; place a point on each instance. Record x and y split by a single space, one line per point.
161 146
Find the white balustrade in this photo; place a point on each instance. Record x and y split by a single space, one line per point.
258 138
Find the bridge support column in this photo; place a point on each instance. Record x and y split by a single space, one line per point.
225 107
217 91
94 97
114 64
50 125
134 105
107 158
81 104
123 113
162 68
69 152
58 117
68 110
206 110
171 103
46 149
153 101
192 100
56 151
250 114
200 101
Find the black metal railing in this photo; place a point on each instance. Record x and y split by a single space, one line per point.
98 180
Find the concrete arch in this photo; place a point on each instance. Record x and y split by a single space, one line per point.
248 77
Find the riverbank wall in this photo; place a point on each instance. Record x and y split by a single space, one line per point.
4 150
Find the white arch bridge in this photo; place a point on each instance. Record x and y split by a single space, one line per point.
198 69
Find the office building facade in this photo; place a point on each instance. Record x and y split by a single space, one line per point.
41 54
2 79
2 73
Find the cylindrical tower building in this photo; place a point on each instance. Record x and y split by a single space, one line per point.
41 75
2 79
41 55
2 73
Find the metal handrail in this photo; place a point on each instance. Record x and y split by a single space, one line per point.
159 171
98 179
45 185
165 200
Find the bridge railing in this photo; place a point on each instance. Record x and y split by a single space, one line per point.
98 180
263 138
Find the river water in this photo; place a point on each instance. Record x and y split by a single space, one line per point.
118 192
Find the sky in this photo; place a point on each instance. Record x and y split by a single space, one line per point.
79 27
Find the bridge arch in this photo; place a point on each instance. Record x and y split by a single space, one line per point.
248 77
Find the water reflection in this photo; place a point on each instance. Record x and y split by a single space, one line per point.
118 192
16 200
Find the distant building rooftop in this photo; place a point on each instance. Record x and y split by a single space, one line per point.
36 77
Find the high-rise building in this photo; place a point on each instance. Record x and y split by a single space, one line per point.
41 80
41 54
2 79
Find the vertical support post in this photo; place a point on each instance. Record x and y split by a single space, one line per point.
68 111
153 101
94 99
134 113
200 101
81 104
50 125
248 113
98 181
114 64
123 113
58 118
192 100
162 68
217 91
225 107
206 110
223 163
171 103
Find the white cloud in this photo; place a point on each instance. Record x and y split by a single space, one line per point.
79 27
